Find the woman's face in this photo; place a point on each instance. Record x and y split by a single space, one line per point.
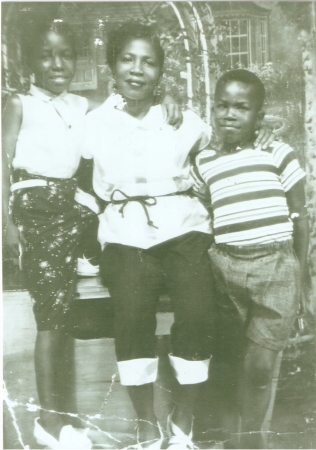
137 70
54 63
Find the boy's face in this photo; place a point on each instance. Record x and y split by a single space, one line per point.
235 112
54 63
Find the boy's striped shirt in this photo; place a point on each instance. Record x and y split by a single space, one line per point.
247 190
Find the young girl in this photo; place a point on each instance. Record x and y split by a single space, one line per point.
41 141
41 154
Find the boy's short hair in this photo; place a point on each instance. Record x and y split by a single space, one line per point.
128 31
246 77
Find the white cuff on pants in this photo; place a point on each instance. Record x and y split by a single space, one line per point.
189 372
135 372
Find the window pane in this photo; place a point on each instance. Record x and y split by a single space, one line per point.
235 61
263 44
235 44
243 44
243 26
88 75
244 60
234 27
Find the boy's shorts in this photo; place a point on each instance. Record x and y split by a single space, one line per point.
258 291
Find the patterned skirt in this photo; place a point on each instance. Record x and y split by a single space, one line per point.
52 224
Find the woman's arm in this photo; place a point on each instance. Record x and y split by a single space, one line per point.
171 111
11 124
265 137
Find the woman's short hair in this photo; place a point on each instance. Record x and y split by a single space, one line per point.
246 77
127 32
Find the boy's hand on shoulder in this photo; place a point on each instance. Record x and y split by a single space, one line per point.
172 112
265 137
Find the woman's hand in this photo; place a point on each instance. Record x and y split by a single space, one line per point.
265 137
172 112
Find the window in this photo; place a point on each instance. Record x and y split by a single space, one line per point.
238 36
263 38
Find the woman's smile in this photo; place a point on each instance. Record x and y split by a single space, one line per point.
137 70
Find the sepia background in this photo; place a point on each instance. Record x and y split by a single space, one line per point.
277 41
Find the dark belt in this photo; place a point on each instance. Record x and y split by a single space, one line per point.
143 200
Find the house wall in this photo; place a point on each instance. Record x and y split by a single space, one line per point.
284 44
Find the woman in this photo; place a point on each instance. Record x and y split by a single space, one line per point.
155 232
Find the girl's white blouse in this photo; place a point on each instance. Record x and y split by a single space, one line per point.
145 158
49 142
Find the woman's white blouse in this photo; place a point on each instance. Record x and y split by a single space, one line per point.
145 158
50 138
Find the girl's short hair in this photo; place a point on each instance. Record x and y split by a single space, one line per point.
33 35
127 32
246 77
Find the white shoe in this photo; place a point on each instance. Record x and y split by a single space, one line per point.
178 440
154 444
86 269
69 438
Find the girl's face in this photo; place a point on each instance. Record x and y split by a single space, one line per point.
137 70
54 63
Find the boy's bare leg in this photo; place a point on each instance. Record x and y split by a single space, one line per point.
255 392
225 379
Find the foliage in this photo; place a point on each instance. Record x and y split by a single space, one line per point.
285 98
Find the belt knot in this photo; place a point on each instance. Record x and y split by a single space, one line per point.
144 201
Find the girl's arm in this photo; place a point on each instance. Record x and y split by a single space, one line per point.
11 124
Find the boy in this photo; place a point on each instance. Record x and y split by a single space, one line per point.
259 255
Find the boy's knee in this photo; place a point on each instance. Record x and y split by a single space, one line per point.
259 376
259 365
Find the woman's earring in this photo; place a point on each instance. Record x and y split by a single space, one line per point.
32 78
158 94
258 125
112 85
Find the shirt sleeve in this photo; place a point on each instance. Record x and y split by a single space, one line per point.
203 132
288 166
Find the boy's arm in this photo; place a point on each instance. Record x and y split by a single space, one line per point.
11 123
296 202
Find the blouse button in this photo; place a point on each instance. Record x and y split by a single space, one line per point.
69 126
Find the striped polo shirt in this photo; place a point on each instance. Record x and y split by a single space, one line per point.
248 192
